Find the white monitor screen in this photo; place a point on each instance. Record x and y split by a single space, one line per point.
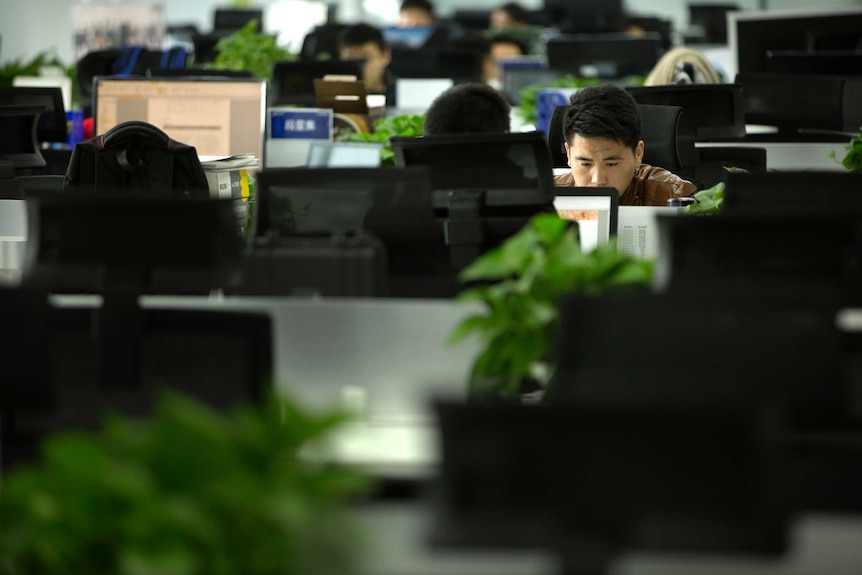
594 209
218 116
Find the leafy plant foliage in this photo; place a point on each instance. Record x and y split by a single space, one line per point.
709 201
189 491
522 281
384 129
248 50
853 158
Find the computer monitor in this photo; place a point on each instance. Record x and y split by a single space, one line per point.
710 111
585 16
828 62
793 193
232 19
820 105
293 81
596 211
751 35
115 243
18 144
784 354
459 65
218 116
612 55
393 205
52 121
590 484
512 169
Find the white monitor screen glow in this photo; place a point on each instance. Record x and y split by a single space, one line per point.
219 117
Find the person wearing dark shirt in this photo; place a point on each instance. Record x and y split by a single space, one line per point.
602 130
365 42
420 14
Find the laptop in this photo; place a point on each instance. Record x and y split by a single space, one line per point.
596 210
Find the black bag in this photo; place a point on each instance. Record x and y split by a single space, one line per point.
139 159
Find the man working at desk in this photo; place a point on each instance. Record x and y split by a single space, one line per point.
602 130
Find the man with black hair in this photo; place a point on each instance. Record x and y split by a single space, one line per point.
416 14
365 42
602 133
509 15
468 108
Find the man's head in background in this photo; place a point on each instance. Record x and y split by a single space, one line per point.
468 108
509 15
506 47
365 42
416 13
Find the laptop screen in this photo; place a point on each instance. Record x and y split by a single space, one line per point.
218 116
595 210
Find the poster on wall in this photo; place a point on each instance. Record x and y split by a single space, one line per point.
103 25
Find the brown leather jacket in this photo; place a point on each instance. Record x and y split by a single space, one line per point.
651 186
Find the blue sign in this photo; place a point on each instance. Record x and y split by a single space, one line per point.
300 124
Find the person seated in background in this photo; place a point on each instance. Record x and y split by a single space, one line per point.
416 14
509 15
420 14
683 65
365 42
488 50
468 108
506 47
601 129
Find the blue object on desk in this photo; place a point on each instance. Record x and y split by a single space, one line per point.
301 124
546 102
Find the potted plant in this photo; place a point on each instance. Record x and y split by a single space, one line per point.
251 51
189 491
384 129
519 285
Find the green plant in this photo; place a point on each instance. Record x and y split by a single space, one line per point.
853 158
522 281
529 94
709 201
189 491
384 129
248 50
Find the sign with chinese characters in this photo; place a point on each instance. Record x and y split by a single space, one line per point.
300 124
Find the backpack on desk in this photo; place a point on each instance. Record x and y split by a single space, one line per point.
136 158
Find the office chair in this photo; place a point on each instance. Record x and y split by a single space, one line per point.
660 125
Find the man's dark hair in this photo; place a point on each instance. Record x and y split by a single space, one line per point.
504 38
360 34
418 4
468 108
516 12
604 111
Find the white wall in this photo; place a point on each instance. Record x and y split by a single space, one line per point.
26 30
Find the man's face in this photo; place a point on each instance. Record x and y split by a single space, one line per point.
603 162
500 19
414 18
376 61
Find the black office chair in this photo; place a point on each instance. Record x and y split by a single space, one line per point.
660 128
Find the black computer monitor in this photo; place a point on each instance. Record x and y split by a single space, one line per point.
828 62
293 81
18 143
585 16
232 19
821 106
52 121
116 243
510 169
592 483
392 205
783 353
752 35
710 111
457 64
612 55
793 193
